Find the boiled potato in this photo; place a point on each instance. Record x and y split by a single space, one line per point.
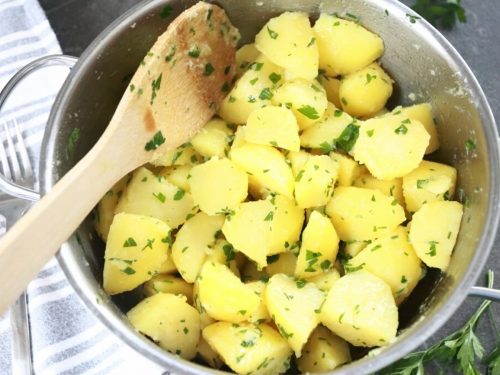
205 318
353 248
365 92
260 315
273 126
295 319
423 113
281 263
306 99
193 242
323 352
168 266
345 46
325 280
105 210
223 252
168 284
391 146
218 186
182 155
434 230
169 321
213 139
247 348
245 56
209 355
391 188
319 248
428 183
360 308
363 214
134 251
331 86
149 195
177 175
297 160
288 41
349 170
223 295
392 259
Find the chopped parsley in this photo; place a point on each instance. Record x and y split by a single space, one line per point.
274 77
229 252
179 195
166 11
209 69
273 34
265 94
160 196
470 145
402 129
269 216
130 242
194 52
157 140
309 111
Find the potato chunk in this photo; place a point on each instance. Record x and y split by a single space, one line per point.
391 188
134 251
168 284
319 248
345 46
392 259
288 41
365 92
218 186
363 214
213 139
245 56
325 280
149 195
281 263
323 352
169 321
295 319
391 146
360 308
434 230
349 169
247 348
273 126
105 210
182 155
331 86
223 295
428 183
177 175
193 242
261 314
423 113
209 355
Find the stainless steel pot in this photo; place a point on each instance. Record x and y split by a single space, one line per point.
424 65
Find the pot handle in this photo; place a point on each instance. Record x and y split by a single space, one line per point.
52 60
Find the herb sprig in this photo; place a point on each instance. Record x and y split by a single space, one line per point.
441 13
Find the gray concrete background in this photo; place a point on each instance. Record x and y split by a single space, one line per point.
77 22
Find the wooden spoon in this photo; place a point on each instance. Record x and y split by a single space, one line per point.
176 90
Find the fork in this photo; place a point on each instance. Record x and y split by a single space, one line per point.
16 166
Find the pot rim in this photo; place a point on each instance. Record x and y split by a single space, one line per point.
409 339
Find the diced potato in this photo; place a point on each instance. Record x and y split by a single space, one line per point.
325 280
423 113
391 188
295 319
306 99
319 248
267 168
345 46
169 321
273 126
134 251
205 319
327 130
223 295
353 248
245 56
223 252
168 284
323 352
434 230
391 146
281 263
168 267
363 214
392 259
314 183
193 242
260 315
218 186
365 92
182 155
213 139
247 348
149 195
331 86
253 90
428 183
105 210
349 170
288 41
178 176
297 160
360 308
209 355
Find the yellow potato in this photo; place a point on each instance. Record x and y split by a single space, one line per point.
168 267
105 210
349 169
434 230
288 41
295 319
365 92
331 86
423 113
363 214
169 321
273 126
168 284
360 308
205 319
182 155
428 183
319 248
353 248
223 295
391 188
260 315
345 46
192 243
325 280
247 348
297 160
134 251
323 352
391 146
245 56
209 355
213 139
223 252
281 263
177 175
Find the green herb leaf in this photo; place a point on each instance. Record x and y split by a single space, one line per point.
273 34
441 13
160 196
209 69
179 194
166 11
274 77
229 252
309 112
470 145
157 140
73 138
194 52
129 242
402 129
348 138
266 94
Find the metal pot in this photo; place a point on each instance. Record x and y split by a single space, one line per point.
424 65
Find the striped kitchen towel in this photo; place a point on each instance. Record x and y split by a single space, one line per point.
66 337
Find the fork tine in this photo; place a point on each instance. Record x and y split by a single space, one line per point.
23 151
16 169
4 160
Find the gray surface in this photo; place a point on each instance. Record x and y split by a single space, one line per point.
77 22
